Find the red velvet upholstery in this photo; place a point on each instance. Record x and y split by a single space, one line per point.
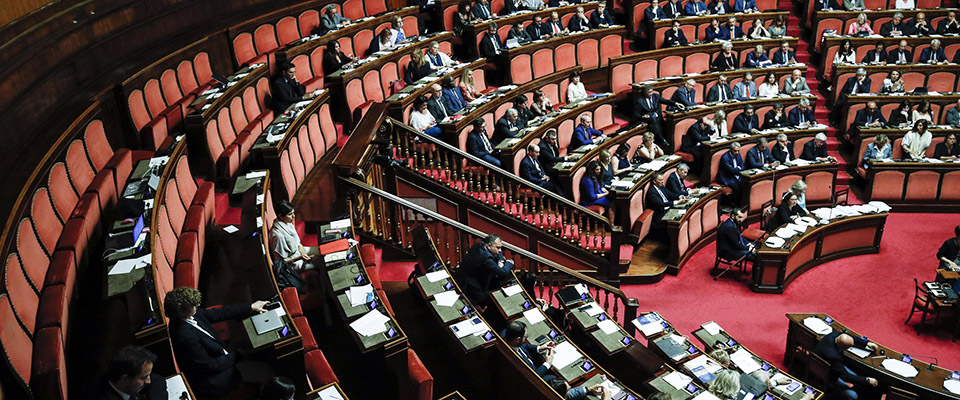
318 369
420 380
309 342
49 380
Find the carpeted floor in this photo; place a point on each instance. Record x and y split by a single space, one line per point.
870 294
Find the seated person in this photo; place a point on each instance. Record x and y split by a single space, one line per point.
286 90
330 21
731 31
201 355
877 55
385 41
676 183
436 103
759 156
816 149
467 87
720 354
802 115
520 34
601 17
659 199
776 117
783 151
539 358
674 36
579 392
696 8
483 269
478 143
757 58
575 90
333 58
549 151
893 83
541 104
846 54
853 5
721 91
481 10
285 241
531 170
860 27
728 175
894 27
422 120
686 94
437 58
953 115
720 7
673 9
130 373
592 192
747 121
727 60
787 212
453 100
919 25
555 26
713 31
524 114
693 139
584 133
770 86
933 54
857 84
879 149
901 54
869 117
745 6
579 22
758 30
831 348
648 150
949 253
949 24
606 161
745 89
916 141
731 245
491 46
621 159
506 126
948 148
651 14
784 56
418 68
901 116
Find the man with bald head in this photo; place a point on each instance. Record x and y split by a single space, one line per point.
831 348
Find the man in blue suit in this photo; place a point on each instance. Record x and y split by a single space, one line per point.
759 156
584 133
478 144
718 7
731 163
506 127
745 6
452 98
654 12
696 8
784 56
731 31
659 200
869 117
731 245
802 115
756 58
601 17
933 54
686 94
747 121
531 170
675 183
515 334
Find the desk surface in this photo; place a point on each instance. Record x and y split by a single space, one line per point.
330 391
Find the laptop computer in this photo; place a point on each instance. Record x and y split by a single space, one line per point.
267 321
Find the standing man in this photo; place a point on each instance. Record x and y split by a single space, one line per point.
647 109
831 348
659 199
130 374
482 268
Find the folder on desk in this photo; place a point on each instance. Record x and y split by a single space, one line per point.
335 246
671 348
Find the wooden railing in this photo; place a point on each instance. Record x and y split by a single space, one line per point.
389 218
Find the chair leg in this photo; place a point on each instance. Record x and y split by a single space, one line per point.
912 310
923 318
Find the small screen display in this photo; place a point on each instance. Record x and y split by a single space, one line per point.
691 388
359 278
906 359
731 342
391 332
601 317
765 367
955 375
793 386
828 319
465 310
586 366
808 389
488 335
552 334
284 331
691 349
373 304
625 340
526 305
448 286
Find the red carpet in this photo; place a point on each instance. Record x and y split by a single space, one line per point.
870 294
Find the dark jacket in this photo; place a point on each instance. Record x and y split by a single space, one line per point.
478 270
827 349
731 245
284 93
743 124
201 357
487 48
811 152
757 157
780 155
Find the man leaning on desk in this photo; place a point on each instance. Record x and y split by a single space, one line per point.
831 348
482 267
538 358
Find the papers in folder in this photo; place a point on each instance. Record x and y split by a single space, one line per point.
705 395
372 323
330 393
534 316
712 328
862 353
774 242
360 294
950 385
817 325
437 275
564 354
592 309
654 165
744 361
649 324
127 265
608 326
176 387
340 223
473 326
900 368
786 233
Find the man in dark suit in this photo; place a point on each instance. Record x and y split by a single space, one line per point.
659 199
673 9
856 84
550 152
820 5
531 170
745 6
731 31
536 29
816 149
330 21
731 164
481 9
686 94
584 133
506 126
783 151
511 6
482 268
654 12
676 184
877 55
747 121
933 54
691 142
490 44
554 26
601 17
802 114
130 373
515 334
579 22
919 25
831 348
949 24
674 36
286 90
478 143
784 56
775 118
647 109
726 60
759 156
731 245
894 27
720 7
436 104
721 91
869 117
201 354
900 55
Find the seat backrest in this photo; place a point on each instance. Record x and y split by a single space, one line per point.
566 56
137 106
374 7
645 70
78 166
610 46
46 222
542 63
588 54
17 345
170 86
287 30
521 71
61 191
154 97
98 149
671 66
307 21
265 38
243 48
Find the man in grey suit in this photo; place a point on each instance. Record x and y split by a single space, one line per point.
796 84
331 20
746 88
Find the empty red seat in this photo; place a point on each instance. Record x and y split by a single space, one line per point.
17 345
49 381
420 381
318 369
186 274
287 30
291 300
61 191
309 342
45 221
23 297
265 39
308 21
32 257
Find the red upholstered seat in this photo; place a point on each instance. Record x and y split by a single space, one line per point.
819 187
887 185
45 221
265 38
610 46
291 299
542 63
943 81
671 66
950 187
922 185
54 310
588 54
309 342
186 274
17 346
621 79
645 70
32 256
307 21
244 50
287 30
23 297
420 381
49 379
318 369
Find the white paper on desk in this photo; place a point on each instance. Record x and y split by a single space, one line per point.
712 328
437 275
534 316
608 326
648 329
677 380
703 361
705 395
259 222
744 361
512 290
862 353
581 289
900 368
256 174
231 228
371 323
592 309
611 388
786 233
127 265
446 299
176 387
340 223
468 327
795 227
330 393
951 385
565 354
360 294
340 255
817 325
260 198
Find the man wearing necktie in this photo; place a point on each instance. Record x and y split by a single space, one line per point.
435 104
647 109
201 354
731 164
478 144
673 9
481 9
745 6
784 56
696 8
747 121
870 117
531 170
686 94
745 89
130 377
659 199
515 334
555 26
802 115
857 84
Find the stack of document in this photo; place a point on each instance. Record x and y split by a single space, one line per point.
608 326
654 165
712 328
880 206
952 386
127 265
446 299
677 380
565 354
329 393
534 316
649 324
337 256
359 295
512 290
786 233
591 309
744 360
473 326
372 323
817 325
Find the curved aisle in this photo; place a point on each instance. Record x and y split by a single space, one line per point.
871 293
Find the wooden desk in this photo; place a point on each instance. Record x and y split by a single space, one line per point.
928 384
656 30
579 157
712 150
706 79
472 33
399 104
775 268
178 383
832 43
761 186
691 226
630 200
914 185
661 384
307 45
823 19
878 72
332 388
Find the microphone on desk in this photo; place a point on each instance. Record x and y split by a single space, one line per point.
930 366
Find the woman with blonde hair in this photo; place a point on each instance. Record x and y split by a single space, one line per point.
469 92
726 385
419 66
648 150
